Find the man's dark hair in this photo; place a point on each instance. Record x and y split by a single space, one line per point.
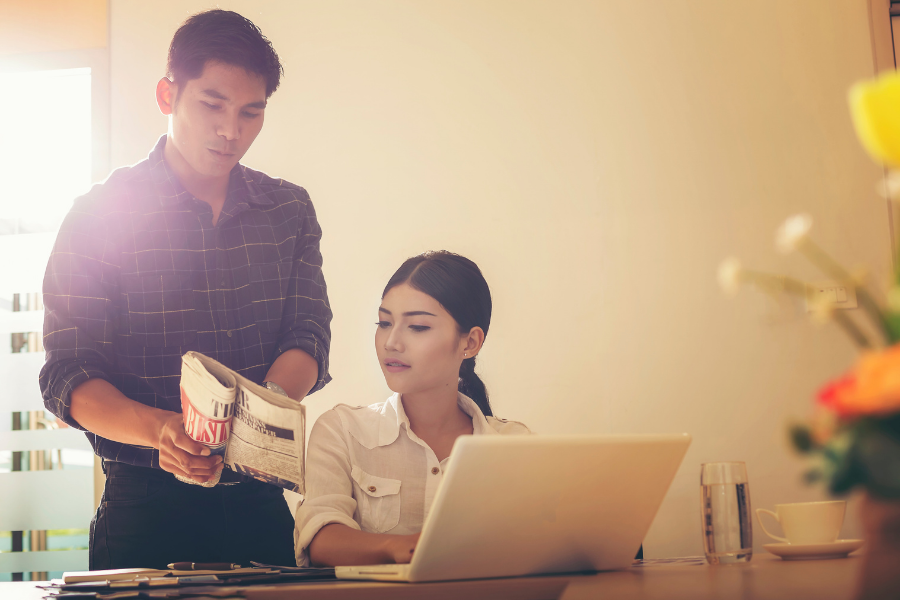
222 36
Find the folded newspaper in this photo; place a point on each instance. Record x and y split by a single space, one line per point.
258 432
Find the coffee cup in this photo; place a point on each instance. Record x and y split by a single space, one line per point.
807 522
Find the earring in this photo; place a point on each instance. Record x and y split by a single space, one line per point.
465 354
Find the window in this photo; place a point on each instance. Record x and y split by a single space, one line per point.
55 145
45 160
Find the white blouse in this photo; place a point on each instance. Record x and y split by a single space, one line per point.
365 468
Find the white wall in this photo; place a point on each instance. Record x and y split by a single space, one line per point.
597 159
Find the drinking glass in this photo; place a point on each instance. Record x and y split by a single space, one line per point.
725 511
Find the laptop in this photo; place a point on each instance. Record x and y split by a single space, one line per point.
510 506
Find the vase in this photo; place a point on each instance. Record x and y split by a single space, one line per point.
879 575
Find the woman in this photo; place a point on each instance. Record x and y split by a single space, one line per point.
372 472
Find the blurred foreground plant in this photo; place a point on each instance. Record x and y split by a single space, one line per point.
854 433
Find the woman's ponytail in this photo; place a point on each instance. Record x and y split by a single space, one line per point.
472 386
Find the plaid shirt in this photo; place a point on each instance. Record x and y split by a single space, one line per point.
139 275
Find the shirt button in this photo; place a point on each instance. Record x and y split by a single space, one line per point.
371 488
435 471
229 332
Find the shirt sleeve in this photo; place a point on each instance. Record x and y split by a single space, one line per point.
329 489
306 322
78 291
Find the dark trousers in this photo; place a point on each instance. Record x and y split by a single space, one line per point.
147 518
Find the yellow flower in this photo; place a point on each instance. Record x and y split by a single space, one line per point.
875 108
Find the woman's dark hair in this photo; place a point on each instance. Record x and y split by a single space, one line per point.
222 36
457 283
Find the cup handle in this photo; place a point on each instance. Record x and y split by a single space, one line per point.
759 512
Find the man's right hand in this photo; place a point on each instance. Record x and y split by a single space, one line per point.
101 408
181 455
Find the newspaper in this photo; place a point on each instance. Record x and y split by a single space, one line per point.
258 432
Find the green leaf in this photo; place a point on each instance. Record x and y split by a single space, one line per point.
813 476
802 439
842 467
879 454
892 324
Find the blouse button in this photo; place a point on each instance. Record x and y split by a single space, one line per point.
229 333
371 488
435 471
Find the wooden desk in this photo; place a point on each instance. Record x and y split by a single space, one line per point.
764 578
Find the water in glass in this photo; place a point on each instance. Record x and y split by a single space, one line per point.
728 533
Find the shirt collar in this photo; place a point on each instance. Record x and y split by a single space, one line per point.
243 187
171 192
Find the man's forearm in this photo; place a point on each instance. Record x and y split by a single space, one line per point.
295 371
102 409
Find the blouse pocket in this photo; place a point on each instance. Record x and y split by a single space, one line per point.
377 500
159 309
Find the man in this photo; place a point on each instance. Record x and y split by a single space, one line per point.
186 250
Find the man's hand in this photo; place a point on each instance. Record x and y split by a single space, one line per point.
402 547
181 455
101 408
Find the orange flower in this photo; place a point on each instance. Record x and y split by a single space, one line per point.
823 425
872 388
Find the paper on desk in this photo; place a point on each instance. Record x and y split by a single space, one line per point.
110 574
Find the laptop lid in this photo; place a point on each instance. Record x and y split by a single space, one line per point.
530 504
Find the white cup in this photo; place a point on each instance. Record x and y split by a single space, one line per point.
807 522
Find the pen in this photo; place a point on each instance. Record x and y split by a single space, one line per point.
189 566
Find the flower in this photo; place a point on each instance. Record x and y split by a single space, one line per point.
873 106
823 426
793 232
821 310
854 434
872 388
730 275
890 187
829 394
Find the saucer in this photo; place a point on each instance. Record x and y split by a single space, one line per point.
836 549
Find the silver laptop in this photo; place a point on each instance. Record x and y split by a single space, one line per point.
532 504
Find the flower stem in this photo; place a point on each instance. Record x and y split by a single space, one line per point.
796 287
830 266
850 329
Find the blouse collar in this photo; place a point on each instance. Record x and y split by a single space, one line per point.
390 415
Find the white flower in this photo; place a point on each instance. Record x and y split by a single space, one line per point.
889 187
730 272
793 232
821 310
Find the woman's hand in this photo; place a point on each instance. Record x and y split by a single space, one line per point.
337 544
401 547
